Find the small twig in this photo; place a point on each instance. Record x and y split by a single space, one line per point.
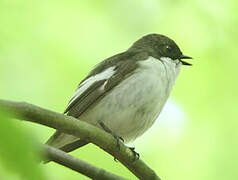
78 165
82 130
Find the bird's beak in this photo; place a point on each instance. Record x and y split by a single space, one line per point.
184 62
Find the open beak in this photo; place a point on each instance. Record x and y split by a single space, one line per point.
184 62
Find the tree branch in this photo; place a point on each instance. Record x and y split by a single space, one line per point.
78 165
83 130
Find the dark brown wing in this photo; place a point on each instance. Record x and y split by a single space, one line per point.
123 66
83 101
100 88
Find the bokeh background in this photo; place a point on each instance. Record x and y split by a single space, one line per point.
47 47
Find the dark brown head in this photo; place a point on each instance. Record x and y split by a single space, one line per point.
159 46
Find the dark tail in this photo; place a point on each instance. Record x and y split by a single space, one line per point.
64 142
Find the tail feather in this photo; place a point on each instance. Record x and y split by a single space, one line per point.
64 142
59 139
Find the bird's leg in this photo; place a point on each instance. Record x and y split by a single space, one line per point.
136 154
118 138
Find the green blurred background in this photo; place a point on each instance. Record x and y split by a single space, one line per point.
47 47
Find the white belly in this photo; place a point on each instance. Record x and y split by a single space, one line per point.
133 106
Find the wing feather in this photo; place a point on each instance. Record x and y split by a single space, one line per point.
92 89
87 98
99 89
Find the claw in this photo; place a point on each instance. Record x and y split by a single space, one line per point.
118 138
121 139
136 154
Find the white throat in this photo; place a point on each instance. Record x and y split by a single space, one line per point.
172 67
165 67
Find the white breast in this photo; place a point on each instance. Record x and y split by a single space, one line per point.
133 106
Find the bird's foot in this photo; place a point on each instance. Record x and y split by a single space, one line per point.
136 154
118 138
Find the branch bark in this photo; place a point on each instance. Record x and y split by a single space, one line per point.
78 165
83 130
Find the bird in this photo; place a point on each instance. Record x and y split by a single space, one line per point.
124 94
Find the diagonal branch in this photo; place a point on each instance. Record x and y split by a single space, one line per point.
83 130
78 165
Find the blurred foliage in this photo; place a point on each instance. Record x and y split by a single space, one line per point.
18 154
47 47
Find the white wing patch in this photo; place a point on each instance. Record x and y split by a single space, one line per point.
106 74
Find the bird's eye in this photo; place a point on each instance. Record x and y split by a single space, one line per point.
168 48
